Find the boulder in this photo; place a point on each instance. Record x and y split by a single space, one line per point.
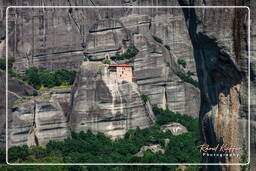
154 148
174 128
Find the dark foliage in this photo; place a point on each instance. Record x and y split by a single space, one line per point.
158 39
47 79
97 148
3 63
167 47
130 53
186 77
145 98
182 62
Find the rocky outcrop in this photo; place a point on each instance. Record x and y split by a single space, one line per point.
101 104
60 38
107 38
16 89
174 128
154 66
221 57
221 61
36 121
154 148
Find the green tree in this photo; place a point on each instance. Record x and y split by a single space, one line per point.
106 61
18 153
182 62
64 77
47 79
130 53
3 63
32 77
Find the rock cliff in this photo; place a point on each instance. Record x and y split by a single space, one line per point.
16 89
212 42
37 120
101 103
102 32
221 56
154 65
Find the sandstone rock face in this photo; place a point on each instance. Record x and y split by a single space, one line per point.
17 89
36 121
154 69
106 38
221 57
213 38
100 103
60 38
253 84
63 98
174 128
154 77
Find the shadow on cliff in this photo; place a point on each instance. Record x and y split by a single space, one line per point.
217 73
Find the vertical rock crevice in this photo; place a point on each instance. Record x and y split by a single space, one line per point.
222 75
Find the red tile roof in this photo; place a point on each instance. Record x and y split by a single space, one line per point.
120 65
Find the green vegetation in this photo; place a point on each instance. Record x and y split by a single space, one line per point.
62 86
85 58
145 98
244 157
182 62
158 39
186 77
3 63
46 97
21 101
32 77
167 47
168 64
106 61
41 80
93 148
130 53
166 116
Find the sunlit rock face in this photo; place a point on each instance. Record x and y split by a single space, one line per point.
106 38
16 89
101 104
61 38
220 41
154 65
212 38
36 121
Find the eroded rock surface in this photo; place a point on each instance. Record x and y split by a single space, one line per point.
17 89
221 57
36 121
174 128
100 103
215 46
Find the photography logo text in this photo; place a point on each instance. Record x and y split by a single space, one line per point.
219 150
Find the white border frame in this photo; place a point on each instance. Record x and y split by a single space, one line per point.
125 164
